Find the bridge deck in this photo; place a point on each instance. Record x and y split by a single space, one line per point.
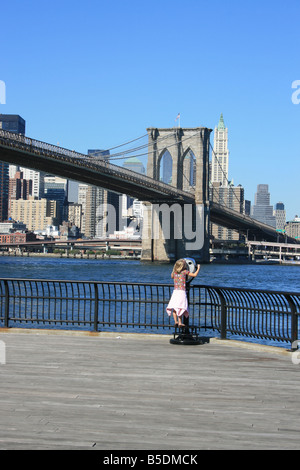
71 391
30 153
24 151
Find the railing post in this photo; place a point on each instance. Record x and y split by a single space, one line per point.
223 315
96 307
6 311
186 320
294 320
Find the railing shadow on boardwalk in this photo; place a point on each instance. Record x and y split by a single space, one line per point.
141 307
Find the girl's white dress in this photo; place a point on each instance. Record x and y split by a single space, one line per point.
178 301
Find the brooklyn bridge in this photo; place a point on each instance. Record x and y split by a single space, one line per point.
188 206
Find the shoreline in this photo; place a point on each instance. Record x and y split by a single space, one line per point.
28 254
283 349
104 256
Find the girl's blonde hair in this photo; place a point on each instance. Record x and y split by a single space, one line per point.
179 266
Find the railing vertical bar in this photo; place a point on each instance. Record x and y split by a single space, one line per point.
294 320
26 299
103 304
32 286
115 303
127 304
223 314
6 307
96 306
43 301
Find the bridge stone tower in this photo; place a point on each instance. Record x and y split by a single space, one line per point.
178 230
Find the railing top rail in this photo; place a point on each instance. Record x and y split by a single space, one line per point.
245 289
202 286
76 281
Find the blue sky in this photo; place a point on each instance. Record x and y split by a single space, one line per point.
95 74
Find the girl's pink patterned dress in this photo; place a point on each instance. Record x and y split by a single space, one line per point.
178 301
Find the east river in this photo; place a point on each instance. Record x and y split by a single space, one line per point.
266 277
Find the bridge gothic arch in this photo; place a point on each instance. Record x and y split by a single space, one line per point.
188 149
179 142
165 166
188 170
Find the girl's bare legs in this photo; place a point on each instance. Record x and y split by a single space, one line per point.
177 319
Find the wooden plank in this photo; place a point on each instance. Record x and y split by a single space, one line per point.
136 392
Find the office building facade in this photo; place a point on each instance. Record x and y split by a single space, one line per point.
262 210
292 227
223 191
280 216
233 198
18 188
56 189
75 214
11 123
220 154
35 214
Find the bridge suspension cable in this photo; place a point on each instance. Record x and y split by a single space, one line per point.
129 142
119 157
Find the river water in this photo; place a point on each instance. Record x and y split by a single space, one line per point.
266 277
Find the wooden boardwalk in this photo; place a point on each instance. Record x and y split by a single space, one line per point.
111 391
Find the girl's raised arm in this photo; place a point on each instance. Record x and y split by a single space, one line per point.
195 273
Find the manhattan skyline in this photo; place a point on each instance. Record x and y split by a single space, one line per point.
95 75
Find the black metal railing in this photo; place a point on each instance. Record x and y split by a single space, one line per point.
104 306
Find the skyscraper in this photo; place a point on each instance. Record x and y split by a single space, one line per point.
262 210
4 181
56 188
222 190
220 155
12 123
280 216
37 178
19 188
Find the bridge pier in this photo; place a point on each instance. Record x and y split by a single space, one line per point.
175 231
172 231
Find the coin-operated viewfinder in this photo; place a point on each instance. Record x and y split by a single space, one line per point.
191 266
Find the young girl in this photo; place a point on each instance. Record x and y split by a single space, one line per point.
178 303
